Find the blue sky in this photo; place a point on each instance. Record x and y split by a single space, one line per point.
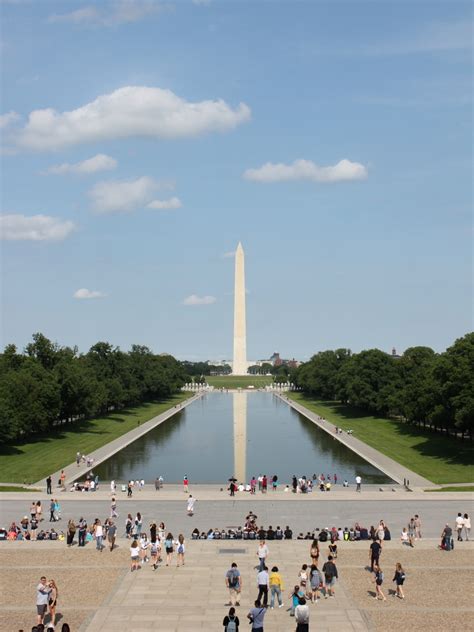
143 140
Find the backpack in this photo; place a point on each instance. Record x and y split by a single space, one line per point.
180 548
231 626
233 580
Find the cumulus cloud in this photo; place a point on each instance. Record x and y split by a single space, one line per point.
173 202
122 196
85 293
8 119
16 227
199 300
132 111
111 13
307 170
100 162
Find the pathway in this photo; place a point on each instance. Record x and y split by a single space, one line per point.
387 465
73 472
193 597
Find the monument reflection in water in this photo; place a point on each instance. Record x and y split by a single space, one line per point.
242 434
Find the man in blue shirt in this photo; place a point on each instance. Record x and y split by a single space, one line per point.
256 616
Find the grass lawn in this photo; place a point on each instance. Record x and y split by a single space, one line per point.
461 488
12 488
30 462
238 381
438 458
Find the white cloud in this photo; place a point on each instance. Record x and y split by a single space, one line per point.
85 293
15 227
8 119
199 300
111 13
121 196
129 112
100 162
228 255
307 170
202 3
173 202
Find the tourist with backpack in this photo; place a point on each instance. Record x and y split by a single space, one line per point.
231 621
233 582
378 581
256 617
330 576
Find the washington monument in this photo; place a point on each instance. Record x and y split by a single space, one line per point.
239 365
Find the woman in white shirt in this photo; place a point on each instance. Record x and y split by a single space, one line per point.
467 526
99 535
134 555
144 546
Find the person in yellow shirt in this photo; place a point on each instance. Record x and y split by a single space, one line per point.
276 586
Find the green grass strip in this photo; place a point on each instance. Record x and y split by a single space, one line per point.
460 488
30 462
436 457
238 381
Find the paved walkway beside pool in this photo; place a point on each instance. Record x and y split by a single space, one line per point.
73 472
387 465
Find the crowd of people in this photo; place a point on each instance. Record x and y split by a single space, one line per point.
299 485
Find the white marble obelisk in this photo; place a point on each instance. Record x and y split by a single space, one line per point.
239 365
240 436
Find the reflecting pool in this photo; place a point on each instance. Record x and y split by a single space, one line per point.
242 434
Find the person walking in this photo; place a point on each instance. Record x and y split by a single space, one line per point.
399 579
314 552
256 617
190 505
276 587
99 535
62 480
263 582
411 532
138 524
112 534
155 554
42 599
52 602
417 527
113 488
185 484
128 526
52 507
316 581
82 531
302 616
169 548
129 489
330 576
39 511
233 581
358 483
303 577
57 509
375 551
144 546
49 485
231 621
467 526
459 526
378 581
135 556
71 532
180 550
264 484
262 553
113 508
274 482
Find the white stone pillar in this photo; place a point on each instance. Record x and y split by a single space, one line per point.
239 366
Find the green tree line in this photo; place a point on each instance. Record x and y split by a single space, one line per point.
48 385
435 390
